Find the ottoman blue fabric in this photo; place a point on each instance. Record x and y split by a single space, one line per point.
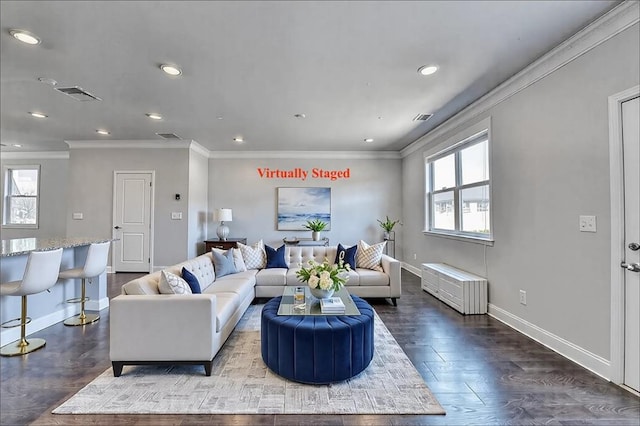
317 349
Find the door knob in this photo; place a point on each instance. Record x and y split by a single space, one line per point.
633 267
116 227
634 246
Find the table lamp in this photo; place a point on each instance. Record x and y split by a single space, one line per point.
223 215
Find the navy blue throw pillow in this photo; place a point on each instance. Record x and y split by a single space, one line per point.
275 258
192 280
349 255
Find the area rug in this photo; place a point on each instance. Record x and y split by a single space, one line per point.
240 383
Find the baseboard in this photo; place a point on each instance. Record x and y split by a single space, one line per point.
415 271
97 305
575 353
12 334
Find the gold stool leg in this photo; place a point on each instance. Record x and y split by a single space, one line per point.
22 346
82 318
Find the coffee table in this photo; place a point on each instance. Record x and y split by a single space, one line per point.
316 348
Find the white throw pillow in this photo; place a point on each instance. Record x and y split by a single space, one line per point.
369 257
254 256
237 258
173 284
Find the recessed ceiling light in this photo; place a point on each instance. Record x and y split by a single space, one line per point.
238 139
368 140
154 116
25 36
38 114
17 145
171 69
300 116
427 69
102 132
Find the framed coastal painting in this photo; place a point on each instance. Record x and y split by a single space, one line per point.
296 206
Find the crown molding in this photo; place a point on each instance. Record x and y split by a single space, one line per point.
607 26
36 155
195 146
334 155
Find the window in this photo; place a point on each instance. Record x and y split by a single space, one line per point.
458 188
21 194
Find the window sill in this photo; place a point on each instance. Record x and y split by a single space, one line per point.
19 226
466 238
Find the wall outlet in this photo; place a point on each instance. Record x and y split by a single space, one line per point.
176 215
415 256
523 297
78 216
587 224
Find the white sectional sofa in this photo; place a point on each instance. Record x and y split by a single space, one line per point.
148 327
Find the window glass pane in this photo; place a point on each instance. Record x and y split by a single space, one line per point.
443 211
444 173
475 163
475 210
23 210
24 182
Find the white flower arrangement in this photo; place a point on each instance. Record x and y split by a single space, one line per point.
325 275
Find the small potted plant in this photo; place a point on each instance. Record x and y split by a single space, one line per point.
315 226
388 225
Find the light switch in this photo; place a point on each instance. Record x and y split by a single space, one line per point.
176 215
587 224
78 216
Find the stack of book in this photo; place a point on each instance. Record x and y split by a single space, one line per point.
332 305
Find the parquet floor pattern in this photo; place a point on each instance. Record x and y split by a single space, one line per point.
481 371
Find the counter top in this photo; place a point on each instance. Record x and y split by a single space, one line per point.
20 246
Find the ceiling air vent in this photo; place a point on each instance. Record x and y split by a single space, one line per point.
78 93
169 136
422 117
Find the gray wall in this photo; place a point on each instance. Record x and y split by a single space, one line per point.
91 192
372 191
53 198
550 164
198 193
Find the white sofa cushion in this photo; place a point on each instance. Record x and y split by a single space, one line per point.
242 285
369 277
226 305
272 276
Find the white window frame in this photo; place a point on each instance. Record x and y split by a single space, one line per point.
472 135
7 172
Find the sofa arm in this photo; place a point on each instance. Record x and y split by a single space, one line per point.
162 327
392 268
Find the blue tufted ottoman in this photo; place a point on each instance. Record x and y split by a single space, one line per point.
317 349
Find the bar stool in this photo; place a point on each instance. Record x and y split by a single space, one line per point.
94 265
40 274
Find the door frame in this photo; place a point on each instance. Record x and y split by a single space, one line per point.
151 209
616 180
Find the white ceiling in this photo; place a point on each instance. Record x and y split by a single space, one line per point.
249 67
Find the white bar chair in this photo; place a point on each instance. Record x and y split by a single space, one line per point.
40 274
94 266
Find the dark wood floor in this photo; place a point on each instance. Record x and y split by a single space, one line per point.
480 370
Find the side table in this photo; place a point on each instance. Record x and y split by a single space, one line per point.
223 245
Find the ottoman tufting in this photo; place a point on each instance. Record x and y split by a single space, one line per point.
317 349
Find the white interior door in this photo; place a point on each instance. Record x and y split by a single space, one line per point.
132 213
631 164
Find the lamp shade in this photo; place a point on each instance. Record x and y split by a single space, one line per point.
223 215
